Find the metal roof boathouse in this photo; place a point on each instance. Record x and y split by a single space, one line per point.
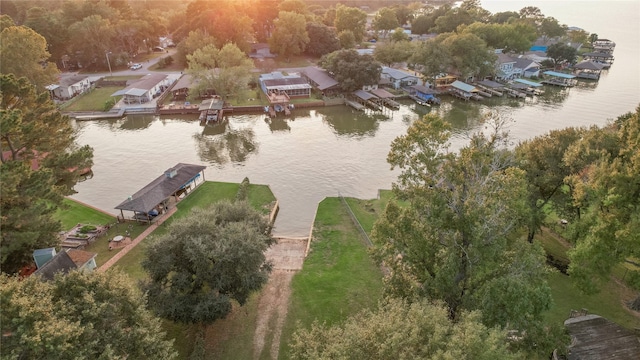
153 199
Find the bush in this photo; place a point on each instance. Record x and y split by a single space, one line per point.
86 228
243 190
109 104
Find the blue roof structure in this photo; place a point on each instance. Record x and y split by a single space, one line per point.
559 74
527 82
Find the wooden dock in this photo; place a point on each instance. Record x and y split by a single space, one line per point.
355 105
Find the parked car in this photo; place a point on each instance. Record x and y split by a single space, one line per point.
158 49
136 66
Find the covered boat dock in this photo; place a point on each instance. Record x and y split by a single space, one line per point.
559 79
386 98
531 86
154 198
588 70
464 91
601 58
492 87
367 99
211 110
423 95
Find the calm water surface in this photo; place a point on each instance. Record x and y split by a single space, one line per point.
319 153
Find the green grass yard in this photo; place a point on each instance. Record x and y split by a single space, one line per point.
92 101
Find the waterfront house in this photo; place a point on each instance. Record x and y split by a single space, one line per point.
294 85
49 263
181 89
69 87
321 80
509 67
588 70
398 78
145 89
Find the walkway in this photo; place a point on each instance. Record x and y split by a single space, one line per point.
137 240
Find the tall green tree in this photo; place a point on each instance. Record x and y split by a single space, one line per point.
470 55
456 239
453 18
207 260
290 36
611 187
351 19
550 28
226 70
433 57
389 53
325 39
195 40
77 316
351 69
385 20
33 131
23 53
561 53
347 39
101 32
399 330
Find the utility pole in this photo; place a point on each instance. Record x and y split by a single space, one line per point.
108 62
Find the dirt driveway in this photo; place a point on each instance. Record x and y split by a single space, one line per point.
287 257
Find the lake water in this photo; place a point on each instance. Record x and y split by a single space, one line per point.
323 152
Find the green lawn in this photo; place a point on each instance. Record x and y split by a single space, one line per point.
92 101
338 279
73 213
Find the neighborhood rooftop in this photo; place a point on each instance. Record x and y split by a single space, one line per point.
320 77
141 86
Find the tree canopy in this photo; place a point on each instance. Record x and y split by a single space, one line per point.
325 39
456 240
32 130
77 316
562 53
351 19
351 69
399 330
290 36
23 53
206 260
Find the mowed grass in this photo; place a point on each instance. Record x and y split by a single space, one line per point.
338 278
94 100
72 213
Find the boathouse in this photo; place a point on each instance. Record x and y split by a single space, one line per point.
601 58
491 87
385 98
588 70
154 198
559 79
180 90
294 85
423 95
464 91
367 99
532 87
211 110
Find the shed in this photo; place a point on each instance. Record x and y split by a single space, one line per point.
60 263
595 338
41 256
84 260
175 181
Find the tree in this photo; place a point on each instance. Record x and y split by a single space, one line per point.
399 330
455 240
422 24
352 70
325 39
205 261
470 55
100 31
550 28
433 57
389 53
226 70
404 14
611 188
295 6
290 36
79 315
504 17
385 20
398 35
347 39
49 25
23 52
351 19
453 18
33 130
542 158
561 53
196 40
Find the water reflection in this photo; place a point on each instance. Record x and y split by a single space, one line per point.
135 122
277 124
352 123
217 146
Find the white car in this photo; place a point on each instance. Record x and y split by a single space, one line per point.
136 66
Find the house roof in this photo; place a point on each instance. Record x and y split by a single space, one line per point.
364 95
598 55
505 59
320 77
524 63
71 80
595 337
382 93
80 257
463 86
59 263
184 82
396 74
145 199
559 74
141 86
589 65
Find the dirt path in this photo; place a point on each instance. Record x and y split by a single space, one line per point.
287 257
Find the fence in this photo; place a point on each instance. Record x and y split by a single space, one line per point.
355 221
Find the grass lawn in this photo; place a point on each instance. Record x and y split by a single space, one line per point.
92 101
73 213
338 278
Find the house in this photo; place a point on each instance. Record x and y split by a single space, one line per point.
69 87
41 256
145 89
509 67
398 78
84 260
294 85
181 88
321 80
49 263
59 263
